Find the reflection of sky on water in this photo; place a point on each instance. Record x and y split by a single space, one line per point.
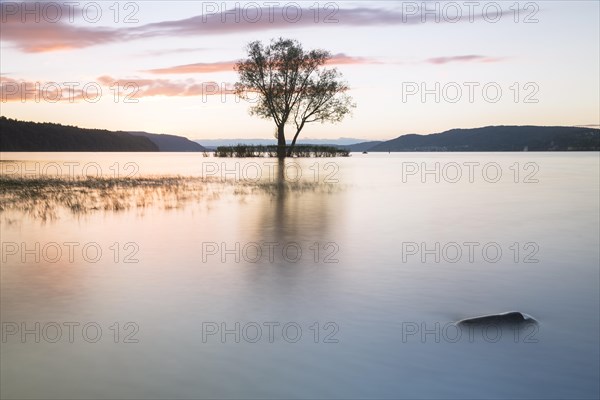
369 293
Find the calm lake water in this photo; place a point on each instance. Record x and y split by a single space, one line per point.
329 278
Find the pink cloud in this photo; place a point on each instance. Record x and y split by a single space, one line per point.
138 88
197 68
20 90
227 66
32 33
343 59
44 36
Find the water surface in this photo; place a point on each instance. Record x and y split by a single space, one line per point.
172 270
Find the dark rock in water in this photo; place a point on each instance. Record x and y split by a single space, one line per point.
507 318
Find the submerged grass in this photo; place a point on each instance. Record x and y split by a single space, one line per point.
43 198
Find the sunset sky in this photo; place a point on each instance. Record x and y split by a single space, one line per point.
178 53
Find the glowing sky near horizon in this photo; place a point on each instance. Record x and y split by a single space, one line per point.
547 53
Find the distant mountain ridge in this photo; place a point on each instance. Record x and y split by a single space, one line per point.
18 135
489 138
493 138
170 142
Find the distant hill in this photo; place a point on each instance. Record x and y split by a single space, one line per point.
32 136
364 146
18 135
497 138
170 142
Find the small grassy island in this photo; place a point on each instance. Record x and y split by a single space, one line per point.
271 151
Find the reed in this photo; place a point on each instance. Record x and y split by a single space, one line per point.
243 151
45 197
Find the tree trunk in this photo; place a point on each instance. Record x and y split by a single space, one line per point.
281 153
295 138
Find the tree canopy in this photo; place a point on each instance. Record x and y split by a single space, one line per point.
293 87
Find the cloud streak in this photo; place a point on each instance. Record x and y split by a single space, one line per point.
197 68
24 91
45 36
20 90
36 33
461 58
228 66
163 52
140 88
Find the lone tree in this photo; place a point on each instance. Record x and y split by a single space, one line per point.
293 87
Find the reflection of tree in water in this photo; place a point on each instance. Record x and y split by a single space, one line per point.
299 214
281 288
